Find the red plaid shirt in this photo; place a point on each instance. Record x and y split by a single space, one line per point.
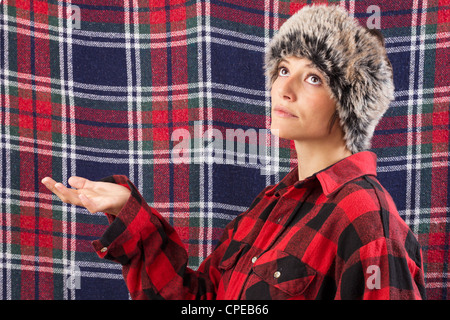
334 235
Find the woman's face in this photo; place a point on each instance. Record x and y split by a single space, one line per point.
302 106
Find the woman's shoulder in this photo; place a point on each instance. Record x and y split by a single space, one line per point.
362 195
370 211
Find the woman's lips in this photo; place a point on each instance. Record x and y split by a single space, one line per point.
283 112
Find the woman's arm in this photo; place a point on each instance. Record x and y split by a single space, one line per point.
152 255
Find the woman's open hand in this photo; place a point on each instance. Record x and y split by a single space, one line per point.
94 196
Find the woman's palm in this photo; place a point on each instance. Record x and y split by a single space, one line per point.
93 195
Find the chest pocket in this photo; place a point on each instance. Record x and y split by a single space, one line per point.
284 272
234 251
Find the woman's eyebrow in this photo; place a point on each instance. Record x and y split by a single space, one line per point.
283 61
311 65
320 72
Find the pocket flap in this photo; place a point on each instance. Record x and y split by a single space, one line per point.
234 251
284 271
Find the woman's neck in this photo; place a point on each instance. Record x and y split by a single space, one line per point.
314 157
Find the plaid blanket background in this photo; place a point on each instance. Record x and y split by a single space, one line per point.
94 88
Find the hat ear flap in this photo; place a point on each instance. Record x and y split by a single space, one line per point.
356 128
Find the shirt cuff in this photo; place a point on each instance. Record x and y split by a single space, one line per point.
110 244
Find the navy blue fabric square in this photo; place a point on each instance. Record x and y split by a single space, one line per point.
237 66
99 65
236 192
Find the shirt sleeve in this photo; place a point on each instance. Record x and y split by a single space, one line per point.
378 256
381 270
153 258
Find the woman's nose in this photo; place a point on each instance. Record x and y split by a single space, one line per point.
287 90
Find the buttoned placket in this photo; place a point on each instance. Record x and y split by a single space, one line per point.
282 219
277 217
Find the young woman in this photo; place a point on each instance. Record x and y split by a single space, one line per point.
328 230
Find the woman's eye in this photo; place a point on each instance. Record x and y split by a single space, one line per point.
312 79
282 71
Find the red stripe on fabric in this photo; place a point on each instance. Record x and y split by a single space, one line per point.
443 14
106 116
102 16
240 16
242 118
179 66
40 7
46 285
294 7
182 191
442 61
42 56
440 136
27 280
390 141
96 132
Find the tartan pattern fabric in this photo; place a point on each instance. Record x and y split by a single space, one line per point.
95 88
325 237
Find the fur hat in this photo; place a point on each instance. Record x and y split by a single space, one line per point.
352 59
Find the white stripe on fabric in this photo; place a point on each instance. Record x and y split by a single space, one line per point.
71 214
209 118
6 148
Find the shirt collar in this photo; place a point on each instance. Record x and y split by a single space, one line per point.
353 167
334 177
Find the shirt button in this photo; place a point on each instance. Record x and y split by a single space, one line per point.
254 259
277 274
104 249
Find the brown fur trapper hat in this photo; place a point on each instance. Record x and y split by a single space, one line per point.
352 59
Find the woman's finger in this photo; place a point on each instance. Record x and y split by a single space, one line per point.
50 184
88 203
68 195
65 194
79 182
